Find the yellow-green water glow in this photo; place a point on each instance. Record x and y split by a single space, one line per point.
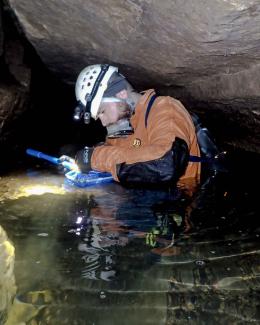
39 190
13 187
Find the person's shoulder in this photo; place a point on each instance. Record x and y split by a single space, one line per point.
171 102
166 102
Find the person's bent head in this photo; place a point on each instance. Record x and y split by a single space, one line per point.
103 93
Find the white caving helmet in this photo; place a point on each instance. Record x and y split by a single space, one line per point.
90 86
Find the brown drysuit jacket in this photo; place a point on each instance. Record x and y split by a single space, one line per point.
167 120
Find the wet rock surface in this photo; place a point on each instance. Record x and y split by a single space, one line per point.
7 277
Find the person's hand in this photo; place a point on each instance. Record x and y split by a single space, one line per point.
83 159
66 163
66 158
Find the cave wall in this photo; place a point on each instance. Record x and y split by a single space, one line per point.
36 106
15 78
205 53
1 32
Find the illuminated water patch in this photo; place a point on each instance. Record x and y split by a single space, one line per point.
40 189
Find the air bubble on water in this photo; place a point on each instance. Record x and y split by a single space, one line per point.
43 234
200 262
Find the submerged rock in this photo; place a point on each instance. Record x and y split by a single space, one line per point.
7 279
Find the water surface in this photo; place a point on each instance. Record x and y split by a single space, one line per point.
111 255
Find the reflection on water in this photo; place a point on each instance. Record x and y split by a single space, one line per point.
110 255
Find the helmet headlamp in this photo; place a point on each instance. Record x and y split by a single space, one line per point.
78 112
81 112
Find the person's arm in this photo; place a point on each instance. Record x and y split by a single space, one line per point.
163 159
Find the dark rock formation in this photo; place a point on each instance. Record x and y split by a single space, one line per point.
204 52
1 33
15 80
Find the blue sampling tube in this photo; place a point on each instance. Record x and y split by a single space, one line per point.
74 176
54 160
39 154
